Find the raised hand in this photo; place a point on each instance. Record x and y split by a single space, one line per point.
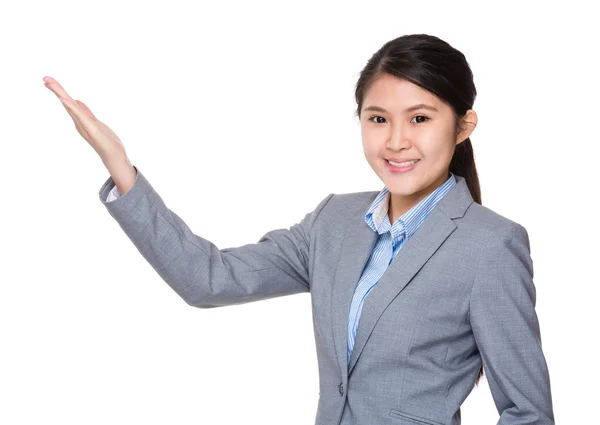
104 141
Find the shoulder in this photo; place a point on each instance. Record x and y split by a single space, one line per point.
354 199
491 226
487 217
349 204
337 210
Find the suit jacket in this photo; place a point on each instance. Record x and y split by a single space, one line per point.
458 294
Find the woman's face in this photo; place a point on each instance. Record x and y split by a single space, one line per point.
391 128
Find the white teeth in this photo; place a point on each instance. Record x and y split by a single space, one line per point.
403 164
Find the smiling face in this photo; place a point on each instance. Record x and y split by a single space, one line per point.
393 125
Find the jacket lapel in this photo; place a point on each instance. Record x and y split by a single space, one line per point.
357 245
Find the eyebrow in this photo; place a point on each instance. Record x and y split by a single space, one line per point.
409 109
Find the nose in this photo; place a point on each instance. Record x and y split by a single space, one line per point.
398 139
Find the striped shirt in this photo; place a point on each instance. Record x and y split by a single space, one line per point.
391 239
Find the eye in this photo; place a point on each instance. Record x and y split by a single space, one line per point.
376 116
421 116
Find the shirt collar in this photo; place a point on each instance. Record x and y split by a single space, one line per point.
377 215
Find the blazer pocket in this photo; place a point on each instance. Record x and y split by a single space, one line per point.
412 419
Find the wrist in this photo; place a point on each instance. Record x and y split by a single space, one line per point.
122 172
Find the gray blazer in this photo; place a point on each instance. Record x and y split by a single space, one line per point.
460 292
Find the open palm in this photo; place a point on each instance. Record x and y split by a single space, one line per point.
102 139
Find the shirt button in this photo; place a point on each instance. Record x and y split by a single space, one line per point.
341 387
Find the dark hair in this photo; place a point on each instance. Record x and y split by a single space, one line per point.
434 65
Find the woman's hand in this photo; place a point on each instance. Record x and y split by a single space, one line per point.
104 141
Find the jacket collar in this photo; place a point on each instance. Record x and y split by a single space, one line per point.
377 216
356 246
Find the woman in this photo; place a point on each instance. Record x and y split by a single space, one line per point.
441 286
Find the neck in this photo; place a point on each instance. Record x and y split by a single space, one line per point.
400 204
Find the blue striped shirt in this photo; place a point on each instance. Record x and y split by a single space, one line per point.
390 240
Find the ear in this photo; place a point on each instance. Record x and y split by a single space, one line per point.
468 124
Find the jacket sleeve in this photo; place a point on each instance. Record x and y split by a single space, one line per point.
507 332
203 275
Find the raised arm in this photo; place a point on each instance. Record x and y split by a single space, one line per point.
197 270
202 274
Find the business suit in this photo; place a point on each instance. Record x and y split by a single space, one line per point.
458 293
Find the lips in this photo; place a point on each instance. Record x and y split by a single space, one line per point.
400 161
400 170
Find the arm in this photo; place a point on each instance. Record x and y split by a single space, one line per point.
197 270
507 332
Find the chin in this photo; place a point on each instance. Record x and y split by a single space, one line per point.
397 188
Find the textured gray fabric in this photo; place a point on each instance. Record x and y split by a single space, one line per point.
459 293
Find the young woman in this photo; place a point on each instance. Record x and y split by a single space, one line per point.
416 289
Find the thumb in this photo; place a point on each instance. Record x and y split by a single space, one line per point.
86 109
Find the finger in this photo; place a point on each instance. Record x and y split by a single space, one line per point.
75 119
56 88
87 125
78 125
86 110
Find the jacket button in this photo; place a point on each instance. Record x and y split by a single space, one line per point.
341 387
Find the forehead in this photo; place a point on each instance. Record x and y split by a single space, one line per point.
392 93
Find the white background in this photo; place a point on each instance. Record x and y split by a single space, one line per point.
240 114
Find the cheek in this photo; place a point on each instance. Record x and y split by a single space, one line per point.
372 154
437 147
365 152
368 146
